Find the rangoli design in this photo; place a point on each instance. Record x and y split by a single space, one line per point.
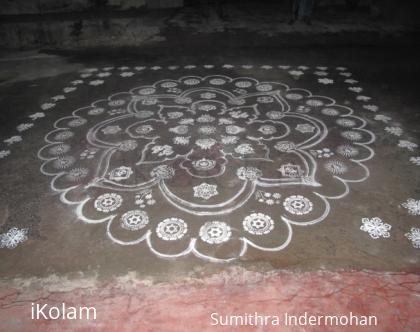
207 165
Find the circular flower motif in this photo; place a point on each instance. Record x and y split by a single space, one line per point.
264 87
168 85
162 172
244 149
77 174
249 173
134 220
336 167
191 81
206 118
206 107
77 122
285 146
215 232
258 224
120 173
347 150
205 143
352 135
64 135
171 229
346 122
143 129
59 149
294 96
265 99
274 115
147 91
64 162
117 102
233 130
207 130
96 111
314 103
108 202
243 84
128 145
330 112
204 164
217 81
297 204
267 129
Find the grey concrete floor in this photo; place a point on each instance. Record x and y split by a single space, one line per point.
59 242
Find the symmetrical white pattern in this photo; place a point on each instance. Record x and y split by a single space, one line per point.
13 237
376 227
415 160
413 206
414 237
206 147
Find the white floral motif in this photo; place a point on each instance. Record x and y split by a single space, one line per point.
305 128
134 220
144 129
322 153
243 84
320 73
175 115
267 197
234 130
162 172
171 229
108 202
352 135
372 108
205 191
248 173
181 140
336 167
285 146
296 73
37 115
314 103
204 164
47 106
96 111
179 130
144 198
265 99
64 162
274 115
205 143
215 232
264 87
128 145
258 224
162 150
208 95
347 150
267 129
77 122
397 131
13 139
376 227
325 80
413 206
330 112
414 237
207 130
356 89
111 130
415 160
206 118
348 123
59 149
363 98
144 114
294 96
297 204
383 118
244 149
121 173
96 82
77 174
13 237
410 146
24 126
230 140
